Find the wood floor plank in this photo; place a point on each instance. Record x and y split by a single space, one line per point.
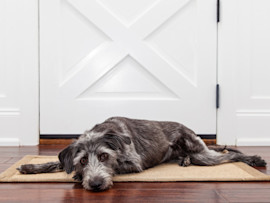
80 195
4 159
246 195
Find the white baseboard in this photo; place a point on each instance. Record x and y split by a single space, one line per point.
253 141
9 142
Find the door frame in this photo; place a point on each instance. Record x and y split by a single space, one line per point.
237 113
19 73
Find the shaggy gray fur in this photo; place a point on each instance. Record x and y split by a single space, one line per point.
122 145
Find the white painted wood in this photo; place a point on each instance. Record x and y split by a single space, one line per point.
244 44
10 142
253 141
19 122
142 59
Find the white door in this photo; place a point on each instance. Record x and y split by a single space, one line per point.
151 59
244 73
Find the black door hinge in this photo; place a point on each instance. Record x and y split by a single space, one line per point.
218 11
217 96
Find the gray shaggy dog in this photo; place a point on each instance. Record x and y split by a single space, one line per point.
122 145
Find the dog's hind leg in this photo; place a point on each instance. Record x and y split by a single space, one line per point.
200 154
184 161
211 157
49 167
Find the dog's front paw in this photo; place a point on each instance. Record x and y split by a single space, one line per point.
77 177
26 169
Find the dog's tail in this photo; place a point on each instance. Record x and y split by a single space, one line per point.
213 157
49 167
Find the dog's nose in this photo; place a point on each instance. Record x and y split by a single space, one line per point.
96 184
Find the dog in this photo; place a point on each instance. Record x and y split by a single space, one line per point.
123 145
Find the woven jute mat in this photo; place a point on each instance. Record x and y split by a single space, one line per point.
162 173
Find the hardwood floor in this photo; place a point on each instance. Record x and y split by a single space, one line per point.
130 192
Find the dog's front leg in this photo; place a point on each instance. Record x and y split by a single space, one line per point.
128 167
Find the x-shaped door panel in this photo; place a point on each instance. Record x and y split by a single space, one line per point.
125 41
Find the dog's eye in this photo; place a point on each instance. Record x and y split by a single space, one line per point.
83 161
103 157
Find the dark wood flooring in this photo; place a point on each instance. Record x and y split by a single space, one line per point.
130 192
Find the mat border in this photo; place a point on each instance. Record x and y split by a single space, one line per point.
5 176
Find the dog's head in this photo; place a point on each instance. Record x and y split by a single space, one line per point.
93 157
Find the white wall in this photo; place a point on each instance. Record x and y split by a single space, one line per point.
19 119
244 72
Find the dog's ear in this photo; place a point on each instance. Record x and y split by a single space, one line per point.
115 141
66 158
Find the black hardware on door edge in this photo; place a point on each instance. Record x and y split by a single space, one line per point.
217 96
218 10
